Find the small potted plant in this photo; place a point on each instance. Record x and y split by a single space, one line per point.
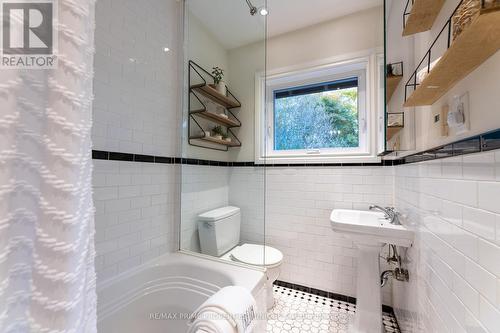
219 83
225 137
218 132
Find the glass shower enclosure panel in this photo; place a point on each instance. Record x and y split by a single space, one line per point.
222 191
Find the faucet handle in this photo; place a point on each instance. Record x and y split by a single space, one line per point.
396 217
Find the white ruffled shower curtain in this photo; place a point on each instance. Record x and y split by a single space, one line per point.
47 277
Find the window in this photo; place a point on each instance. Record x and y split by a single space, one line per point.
323 115
317 115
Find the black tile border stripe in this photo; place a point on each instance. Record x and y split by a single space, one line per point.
127 157
326 294
100 155
121 156
479 143
144 158
163 160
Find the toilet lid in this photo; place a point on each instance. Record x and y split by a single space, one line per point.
253 254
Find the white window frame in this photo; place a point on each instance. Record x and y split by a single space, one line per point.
362 67
380 104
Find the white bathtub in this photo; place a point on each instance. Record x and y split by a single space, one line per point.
158 296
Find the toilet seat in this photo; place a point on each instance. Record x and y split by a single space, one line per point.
253 254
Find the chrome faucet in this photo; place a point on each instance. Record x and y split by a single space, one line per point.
390 213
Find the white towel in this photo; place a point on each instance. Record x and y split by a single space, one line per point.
230 310
211 326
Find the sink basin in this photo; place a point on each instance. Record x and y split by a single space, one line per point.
369 226
369 231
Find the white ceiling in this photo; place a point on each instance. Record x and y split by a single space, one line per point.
230 21
289 15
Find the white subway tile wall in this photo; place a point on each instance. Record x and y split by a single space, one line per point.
298 204
246 190
453 205
203 188
136 110
135 213
136 83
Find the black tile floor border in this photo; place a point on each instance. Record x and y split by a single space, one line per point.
318 292
327 294
306 294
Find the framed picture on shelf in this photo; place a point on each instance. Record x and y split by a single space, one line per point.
395 69
396 119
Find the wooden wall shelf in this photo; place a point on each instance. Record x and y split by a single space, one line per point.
392 84
422 16
217 141
216 118
196 130
211 93
479 41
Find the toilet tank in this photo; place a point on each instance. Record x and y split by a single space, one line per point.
219 230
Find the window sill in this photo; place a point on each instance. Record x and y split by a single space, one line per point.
318 159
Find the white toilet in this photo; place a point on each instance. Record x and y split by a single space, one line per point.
219 232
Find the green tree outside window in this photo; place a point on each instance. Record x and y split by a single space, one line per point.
319 120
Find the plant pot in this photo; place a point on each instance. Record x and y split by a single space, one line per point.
227 139
207 134
221 88
218 137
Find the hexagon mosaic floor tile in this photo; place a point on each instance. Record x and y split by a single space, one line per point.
301 312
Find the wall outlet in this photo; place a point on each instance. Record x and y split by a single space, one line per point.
437 118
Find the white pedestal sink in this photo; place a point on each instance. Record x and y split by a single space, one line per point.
369 231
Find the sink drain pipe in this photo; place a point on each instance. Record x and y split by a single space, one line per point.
399 273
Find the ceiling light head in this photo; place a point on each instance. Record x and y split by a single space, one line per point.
263 11
253 9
